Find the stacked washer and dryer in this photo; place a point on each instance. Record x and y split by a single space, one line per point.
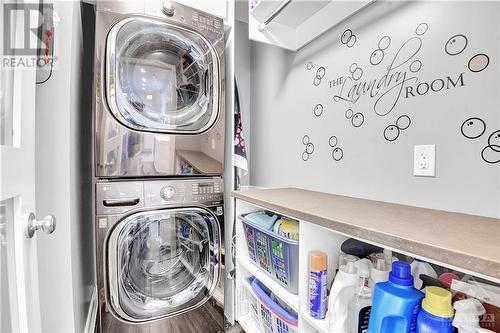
158 164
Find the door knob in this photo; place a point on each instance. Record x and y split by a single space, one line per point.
47 224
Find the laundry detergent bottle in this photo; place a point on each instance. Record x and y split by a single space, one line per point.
436 314
395 303
341 292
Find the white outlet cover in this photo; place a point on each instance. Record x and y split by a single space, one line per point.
424 161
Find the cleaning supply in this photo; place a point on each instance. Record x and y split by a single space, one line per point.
360 305
447 278
318 264
358 248
421 267
467 312
436 314
428 281
287 228
380 269
341 292
395 303
262 219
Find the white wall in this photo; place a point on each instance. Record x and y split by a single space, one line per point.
284 96
66 264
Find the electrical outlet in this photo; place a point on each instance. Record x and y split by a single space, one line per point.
424 161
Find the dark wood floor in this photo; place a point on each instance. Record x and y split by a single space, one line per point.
205 319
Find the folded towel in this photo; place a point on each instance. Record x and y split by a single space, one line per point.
262 220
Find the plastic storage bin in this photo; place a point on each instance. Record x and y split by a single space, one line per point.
274 254
269 316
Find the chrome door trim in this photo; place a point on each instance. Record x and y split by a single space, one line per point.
109 78
110 263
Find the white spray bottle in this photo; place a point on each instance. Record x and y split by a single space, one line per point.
467 312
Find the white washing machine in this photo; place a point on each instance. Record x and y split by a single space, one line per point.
158 90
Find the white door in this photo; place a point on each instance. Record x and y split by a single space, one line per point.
19 296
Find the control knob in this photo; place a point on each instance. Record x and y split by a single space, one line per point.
167 192
168 8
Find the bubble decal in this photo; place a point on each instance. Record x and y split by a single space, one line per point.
456 45
337 153
491 153
378 55
357 119
473 128
320 74
348 38
356 72
415 66
318 110
392 132
478 63
421 29
308 148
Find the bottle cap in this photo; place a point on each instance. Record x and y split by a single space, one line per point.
318 261
401 273
437 302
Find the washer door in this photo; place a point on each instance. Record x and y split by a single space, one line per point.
162 263
161 77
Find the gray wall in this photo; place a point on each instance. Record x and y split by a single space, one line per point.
284 96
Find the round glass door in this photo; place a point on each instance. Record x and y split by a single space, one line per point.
161 77
162 263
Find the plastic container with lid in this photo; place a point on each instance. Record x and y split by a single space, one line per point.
341 292
395 303
436 314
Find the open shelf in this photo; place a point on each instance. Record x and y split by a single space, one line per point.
291 299
321 325
248 325
414 231
325 223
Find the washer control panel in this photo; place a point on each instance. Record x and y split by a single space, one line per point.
195 191
206 191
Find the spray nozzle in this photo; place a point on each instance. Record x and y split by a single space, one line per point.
467 314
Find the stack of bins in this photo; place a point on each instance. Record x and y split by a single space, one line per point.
269 316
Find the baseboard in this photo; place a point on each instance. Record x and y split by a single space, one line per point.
90 324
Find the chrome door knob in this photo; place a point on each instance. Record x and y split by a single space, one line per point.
167 192
47 225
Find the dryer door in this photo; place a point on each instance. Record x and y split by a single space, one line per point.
162 263
161 77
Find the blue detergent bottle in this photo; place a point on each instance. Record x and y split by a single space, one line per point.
436 315
395 303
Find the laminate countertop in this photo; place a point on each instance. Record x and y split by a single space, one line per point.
458 240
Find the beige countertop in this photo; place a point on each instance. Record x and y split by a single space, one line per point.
460 240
